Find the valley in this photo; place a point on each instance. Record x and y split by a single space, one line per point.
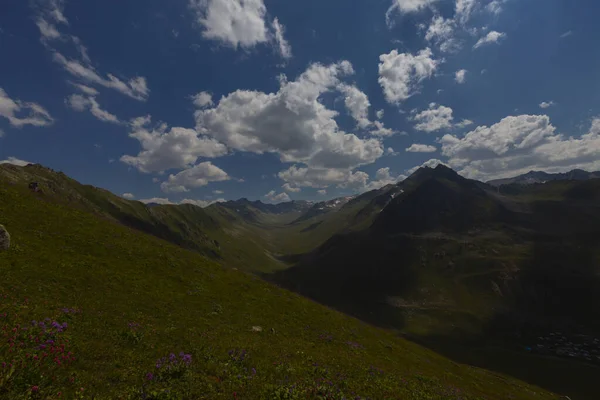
503 280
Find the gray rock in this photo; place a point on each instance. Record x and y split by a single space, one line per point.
4 238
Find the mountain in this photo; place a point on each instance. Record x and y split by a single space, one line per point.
437 258
323 207
139 317
439 199
450 257
540 177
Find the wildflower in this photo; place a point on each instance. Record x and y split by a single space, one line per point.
35 389
149 376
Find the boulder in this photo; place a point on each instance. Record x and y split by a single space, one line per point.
4 238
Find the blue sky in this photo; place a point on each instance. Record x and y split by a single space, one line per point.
199 100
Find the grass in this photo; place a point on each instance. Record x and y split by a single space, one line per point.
138 299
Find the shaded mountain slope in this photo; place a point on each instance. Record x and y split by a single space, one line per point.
132 298
541 177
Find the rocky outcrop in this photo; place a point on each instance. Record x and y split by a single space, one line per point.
4 238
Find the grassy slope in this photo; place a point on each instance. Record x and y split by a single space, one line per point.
63 257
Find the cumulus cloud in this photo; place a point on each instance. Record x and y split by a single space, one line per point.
292 122
218 192
202 99
401 73
421 148
491 37
495 7
521 143
238 23
277 198
545 104
383 177
380 114
201 203
289 188
381 131
464 123
322 192
322 177
464 9
408 6
433 119
157 200
20 113
460 76
15 161
135 88
197 176
357 104
128 196
81 103
164 148
441 32
285 50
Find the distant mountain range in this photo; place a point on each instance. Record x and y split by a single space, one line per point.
540 177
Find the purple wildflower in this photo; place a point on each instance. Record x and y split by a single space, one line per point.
149 376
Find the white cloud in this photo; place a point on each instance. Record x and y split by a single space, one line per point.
421 148
218 192
80 103
289 188
90 91
381 131
390 152
292 122
322 192
460 76
495 7
521 143
277 198
135 88
201 203
441 31
15 161
357 104
566 34
238 23
164 148
322 177
401 73
128 196
383 178
464 123
491 37
408 6
13 110
463 10
197 176
47 30
433 119
285 50
544 104
380 114
202 99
